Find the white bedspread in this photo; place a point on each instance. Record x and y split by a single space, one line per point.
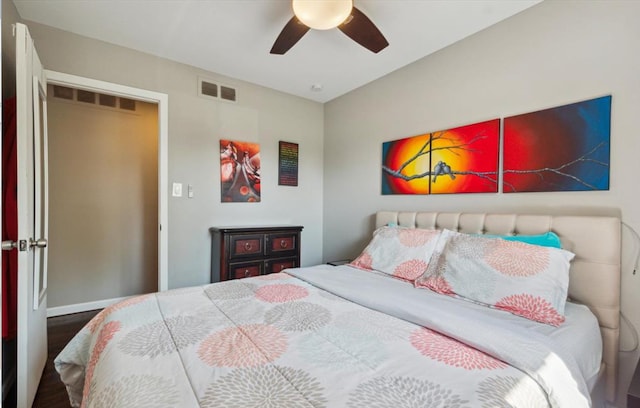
545 360
286 340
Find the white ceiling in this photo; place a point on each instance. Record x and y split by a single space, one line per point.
233 37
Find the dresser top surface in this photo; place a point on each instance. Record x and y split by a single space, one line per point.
256 228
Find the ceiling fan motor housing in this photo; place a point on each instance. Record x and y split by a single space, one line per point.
322 15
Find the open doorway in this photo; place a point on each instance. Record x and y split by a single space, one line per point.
107 166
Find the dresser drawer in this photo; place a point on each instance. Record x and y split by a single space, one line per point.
281 243
245 269
278 265
246 245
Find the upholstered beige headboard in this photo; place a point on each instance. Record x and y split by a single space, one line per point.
595 271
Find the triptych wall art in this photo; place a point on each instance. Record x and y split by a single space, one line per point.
566 148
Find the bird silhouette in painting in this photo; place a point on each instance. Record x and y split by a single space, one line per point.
442 168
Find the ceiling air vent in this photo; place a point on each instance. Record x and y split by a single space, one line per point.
210 90
127 104
63 92
102 100
86 96
228 94
107 100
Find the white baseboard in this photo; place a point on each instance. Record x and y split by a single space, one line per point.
82 307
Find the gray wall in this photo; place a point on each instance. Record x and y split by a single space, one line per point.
195 127
555 53
103 201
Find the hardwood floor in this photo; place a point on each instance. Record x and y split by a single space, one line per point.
51 391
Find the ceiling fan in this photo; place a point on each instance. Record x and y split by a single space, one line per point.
327 14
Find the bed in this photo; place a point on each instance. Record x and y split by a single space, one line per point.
349 336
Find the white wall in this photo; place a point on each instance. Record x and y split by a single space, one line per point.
195 127
555 53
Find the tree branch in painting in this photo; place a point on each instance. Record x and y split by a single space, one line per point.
441 168
562 169
419 153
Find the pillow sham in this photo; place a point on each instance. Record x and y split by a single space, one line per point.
398 251
527 280
549 239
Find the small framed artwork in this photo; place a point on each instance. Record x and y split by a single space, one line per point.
288 164
239 171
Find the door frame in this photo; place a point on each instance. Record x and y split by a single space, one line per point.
162 100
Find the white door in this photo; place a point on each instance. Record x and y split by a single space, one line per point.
32 217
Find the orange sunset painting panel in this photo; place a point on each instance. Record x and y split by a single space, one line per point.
458 160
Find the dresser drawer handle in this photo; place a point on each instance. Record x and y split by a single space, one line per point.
283 244
246 273
247 246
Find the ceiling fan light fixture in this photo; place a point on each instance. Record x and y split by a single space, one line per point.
322 14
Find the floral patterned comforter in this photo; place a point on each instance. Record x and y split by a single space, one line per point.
285 341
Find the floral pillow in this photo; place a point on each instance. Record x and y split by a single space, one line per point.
397 251
527 280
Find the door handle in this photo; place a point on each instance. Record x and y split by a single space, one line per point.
9 245
21 245
39 243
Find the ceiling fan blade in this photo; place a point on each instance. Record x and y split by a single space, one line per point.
289 36
361 30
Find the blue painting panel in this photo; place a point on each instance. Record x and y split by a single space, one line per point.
566 148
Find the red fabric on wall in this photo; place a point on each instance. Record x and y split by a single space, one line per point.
10 221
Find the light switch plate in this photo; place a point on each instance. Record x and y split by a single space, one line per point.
177 190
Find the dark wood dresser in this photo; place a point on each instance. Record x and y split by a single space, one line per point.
240 252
